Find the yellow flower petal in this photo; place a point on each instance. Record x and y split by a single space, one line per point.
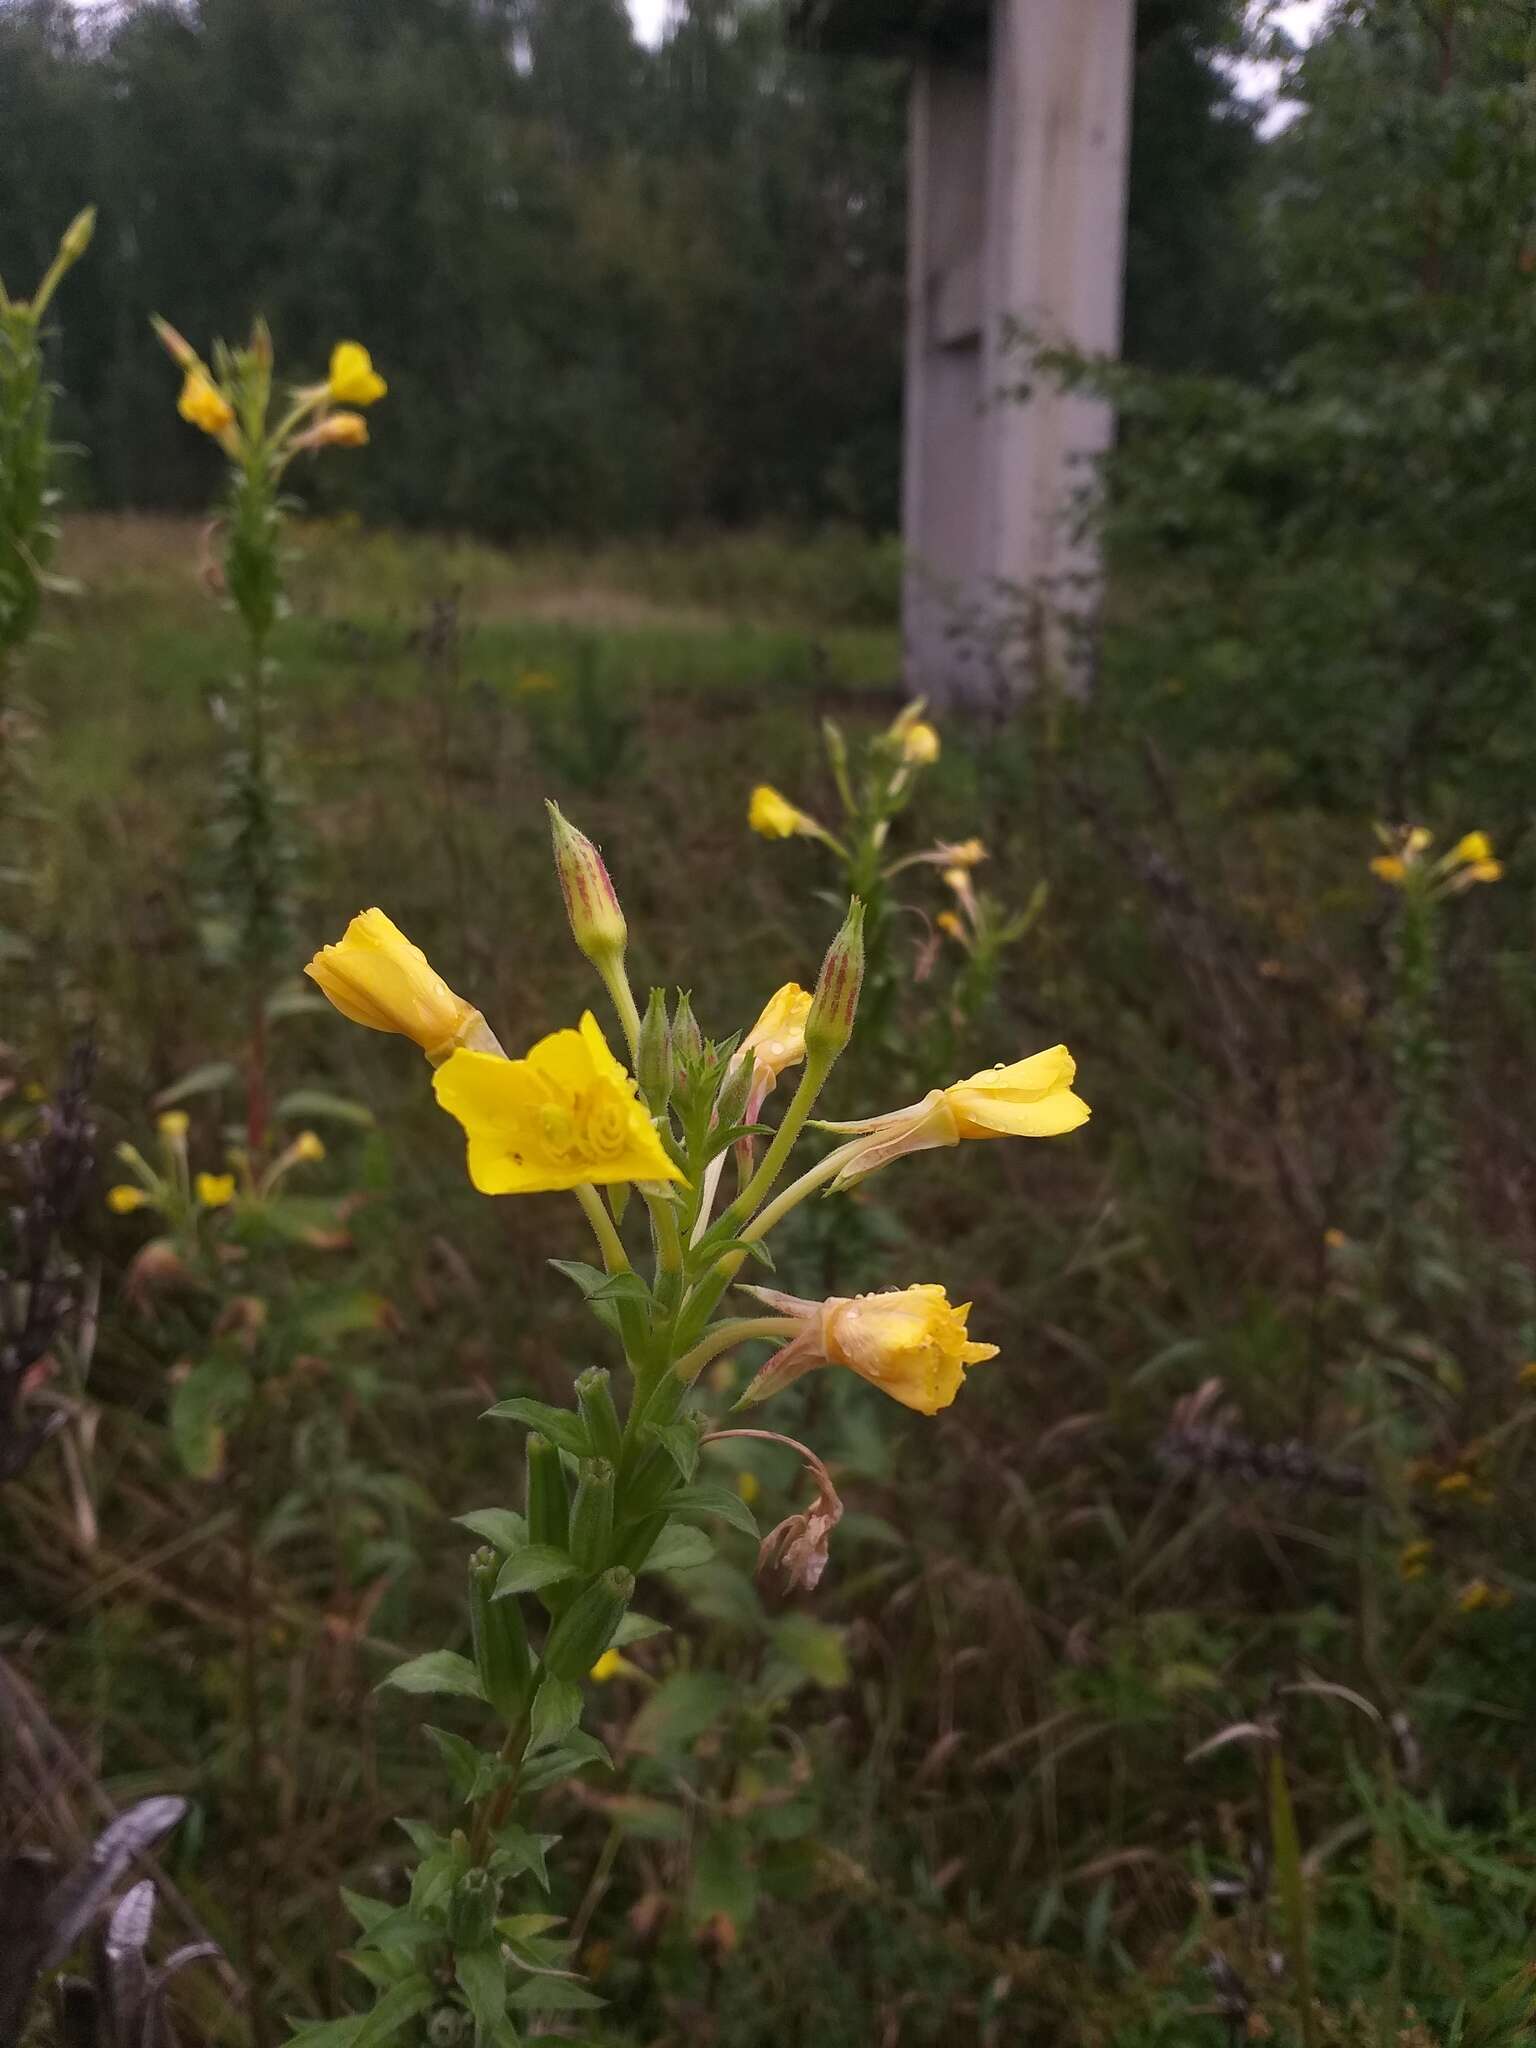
1033 1098
775 817
777 1040
564 1115
1387 867
920 744
172 1124
215 1190
1472 846
353 379
910 1343
377 978
123 1200
204 405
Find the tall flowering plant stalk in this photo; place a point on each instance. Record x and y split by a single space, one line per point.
875 783
609 1479
29 485
261 430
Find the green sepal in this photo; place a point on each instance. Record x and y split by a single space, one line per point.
586 1628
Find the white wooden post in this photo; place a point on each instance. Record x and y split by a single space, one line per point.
1017 200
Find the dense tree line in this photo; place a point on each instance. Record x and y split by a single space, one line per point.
613 287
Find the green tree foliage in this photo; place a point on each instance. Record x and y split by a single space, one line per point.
1342 546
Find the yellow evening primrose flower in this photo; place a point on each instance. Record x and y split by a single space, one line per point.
123 1200
1475 1594
565 1115
920 744
204 405
611 1664
173 1124
1454 1482
1388 867
960 853
948 922
215 1190
309 1145
777 1040
748 1486
353 379
1032 1098
910 1342
342 429
775 817
1472 846
376 977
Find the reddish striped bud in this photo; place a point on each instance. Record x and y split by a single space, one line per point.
829 1024
597 922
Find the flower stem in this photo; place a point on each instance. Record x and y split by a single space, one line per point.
725 1336
615 1259
803 1102
616 981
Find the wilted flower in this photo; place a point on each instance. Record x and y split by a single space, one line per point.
336 430
910 1342
564 1116
353 379
376 977
1032 1098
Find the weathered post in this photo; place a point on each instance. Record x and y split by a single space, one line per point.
1020 120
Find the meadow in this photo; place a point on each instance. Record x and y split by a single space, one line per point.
1169 1687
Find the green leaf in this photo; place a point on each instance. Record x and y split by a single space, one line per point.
393 2011
525 1851
439 1671
678 1549
812 1647
461 1757
638 1628
211 1397
646 1820
679 1710
482 1977
204 1080
598 1286
327 2033
714 1500
680 1441
563 1426
365 1911
499 1526
535 1565
556 1711
319 1105
574 1754
554 1994
723 1878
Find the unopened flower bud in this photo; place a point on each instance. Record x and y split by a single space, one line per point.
77 236
472 1910
687 1038
829 1025
597 922
176 345
336 430
653 1063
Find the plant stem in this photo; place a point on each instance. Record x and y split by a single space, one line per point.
724 1336
615 1259
811 1083
255 1759
493 1810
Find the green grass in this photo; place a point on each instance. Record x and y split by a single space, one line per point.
1042 1621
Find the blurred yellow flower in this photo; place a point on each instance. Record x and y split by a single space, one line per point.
376 977
1454 1482
565 1115
204 405
777 1040
1413 1559
920 744
337 430
609 1665
1388 867
775 817
353 379
123 1200
1527 1373
748 1486
1335 1239
948 922
308 1145
910 1342
215 1190
173 1124
1477 1593
1032 1098
1472 846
